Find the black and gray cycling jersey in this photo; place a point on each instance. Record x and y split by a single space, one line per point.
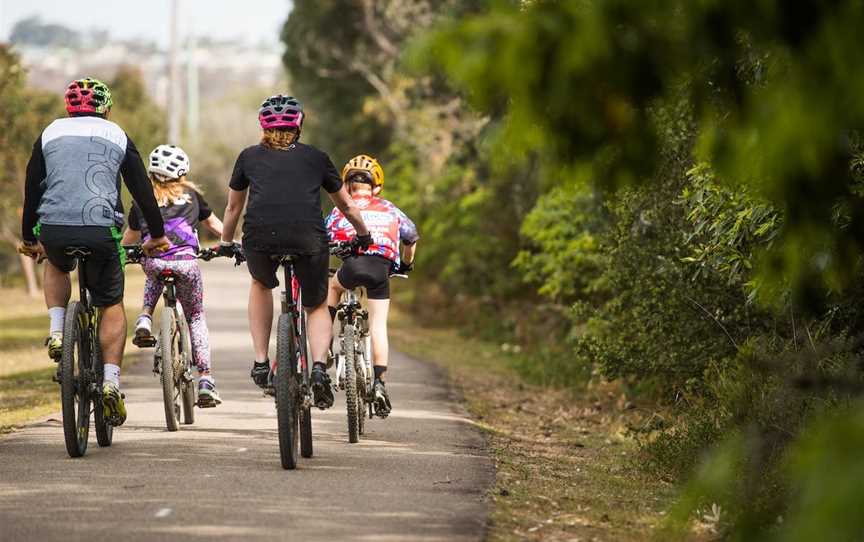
73 177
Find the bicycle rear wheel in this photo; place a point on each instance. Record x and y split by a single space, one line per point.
351 399
104 430
74 381
168 348
184 380
287 392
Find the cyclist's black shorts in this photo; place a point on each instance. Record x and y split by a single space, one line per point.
311 271
104 269
371 272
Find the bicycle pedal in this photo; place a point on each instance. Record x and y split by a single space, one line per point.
144 341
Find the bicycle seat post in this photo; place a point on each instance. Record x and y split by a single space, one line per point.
80 255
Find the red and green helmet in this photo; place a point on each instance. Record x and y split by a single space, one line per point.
88 95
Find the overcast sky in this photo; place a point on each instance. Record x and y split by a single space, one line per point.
252 20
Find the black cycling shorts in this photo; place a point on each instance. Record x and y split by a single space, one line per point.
370 272
311 271
104 268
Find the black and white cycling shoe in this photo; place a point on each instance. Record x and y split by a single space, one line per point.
261 374
322 391
382 404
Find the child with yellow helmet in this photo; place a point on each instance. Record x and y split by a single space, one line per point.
371 269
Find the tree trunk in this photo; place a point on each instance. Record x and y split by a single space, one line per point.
29 270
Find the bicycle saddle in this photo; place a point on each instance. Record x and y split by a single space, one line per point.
78 252
283 258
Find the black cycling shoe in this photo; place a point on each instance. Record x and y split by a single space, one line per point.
382 399
322 391
261 374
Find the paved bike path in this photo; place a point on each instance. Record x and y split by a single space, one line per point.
419 475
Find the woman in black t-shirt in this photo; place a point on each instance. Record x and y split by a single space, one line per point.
283 179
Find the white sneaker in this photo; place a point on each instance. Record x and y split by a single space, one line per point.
143 331
144 326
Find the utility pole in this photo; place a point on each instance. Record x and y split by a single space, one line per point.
192 92
173 77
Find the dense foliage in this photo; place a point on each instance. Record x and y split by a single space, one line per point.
678 181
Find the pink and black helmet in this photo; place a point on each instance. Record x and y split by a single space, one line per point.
281 112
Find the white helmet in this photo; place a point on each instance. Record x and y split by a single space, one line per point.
169 161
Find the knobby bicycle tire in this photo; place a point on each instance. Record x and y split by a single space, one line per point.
74 393
168 348
351 399
287 392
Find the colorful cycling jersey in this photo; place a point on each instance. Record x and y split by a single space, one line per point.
181 218
387 224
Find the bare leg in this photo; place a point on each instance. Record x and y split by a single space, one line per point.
334 291
379 310
57 286
260 319
320 331
112 333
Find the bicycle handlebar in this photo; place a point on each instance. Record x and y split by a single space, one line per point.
343 249
134 254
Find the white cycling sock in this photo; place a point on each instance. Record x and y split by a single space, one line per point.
57 315
111 373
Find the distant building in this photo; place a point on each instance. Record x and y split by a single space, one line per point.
222 67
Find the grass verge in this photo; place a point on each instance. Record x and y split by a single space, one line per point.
565 469
26 396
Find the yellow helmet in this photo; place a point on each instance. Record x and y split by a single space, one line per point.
364 162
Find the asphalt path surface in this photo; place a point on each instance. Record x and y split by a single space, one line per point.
421 474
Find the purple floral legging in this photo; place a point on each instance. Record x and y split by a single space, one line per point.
190 293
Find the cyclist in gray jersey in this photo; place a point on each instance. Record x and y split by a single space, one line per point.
72 198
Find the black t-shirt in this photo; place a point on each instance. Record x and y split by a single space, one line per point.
181 218
284 207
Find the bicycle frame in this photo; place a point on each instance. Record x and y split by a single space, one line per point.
169 296
291 301
350 312
91 325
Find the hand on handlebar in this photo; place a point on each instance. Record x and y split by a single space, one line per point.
32 250
230 250
363 241
153 247
404 268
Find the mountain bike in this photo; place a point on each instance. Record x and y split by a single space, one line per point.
81 368
290 372
172 359
352 351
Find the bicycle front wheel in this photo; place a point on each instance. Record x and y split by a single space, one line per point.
169 350
74 381
287 392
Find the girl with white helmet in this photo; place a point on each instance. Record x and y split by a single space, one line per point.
183 208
